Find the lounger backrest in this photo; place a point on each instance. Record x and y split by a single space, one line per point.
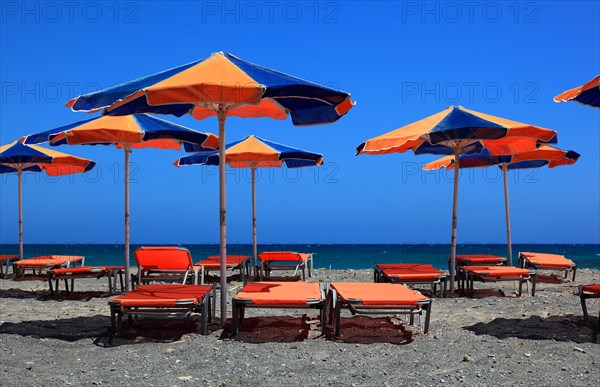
282 255
163 258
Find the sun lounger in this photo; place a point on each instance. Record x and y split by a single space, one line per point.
5 261
285 260
71 273
410 274
376 298
278 295
234 262
163 300
45 262
541 261
585 292
469 274
479 260
165 264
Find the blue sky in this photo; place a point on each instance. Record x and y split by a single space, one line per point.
401 61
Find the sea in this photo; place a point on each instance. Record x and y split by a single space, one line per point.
330 256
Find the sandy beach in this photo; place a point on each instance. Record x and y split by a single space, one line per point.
494 338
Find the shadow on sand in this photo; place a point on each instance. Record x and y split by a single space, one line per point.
558 328
45 295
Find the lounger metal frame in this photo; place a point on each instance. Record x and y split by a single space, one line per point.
243 267
181 309
112 273
20 271
355 307
525 263
380 276
239 306
466 278
267 266
145 276
5 262
583 296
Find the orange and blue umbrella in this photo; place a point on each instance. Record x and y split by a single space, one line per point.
254 152
457 131
127 132
587 94
18 158
221 85
537 158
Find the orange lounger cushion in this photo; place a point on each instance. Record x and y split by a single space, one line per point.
162 295
410 271
163 258
594 288
283 256
497 271
480 258
86 269
8 257
282 293
368 293
48 261
214 261
548 260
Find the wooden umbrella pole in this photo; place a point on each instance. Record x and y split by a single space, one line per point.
507 208
254 244
222 115
127 149
452 267
20 179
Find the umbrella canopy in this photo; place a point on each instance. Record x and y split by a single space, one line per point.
587 94
128 132
18 158
222 85
254 152
537 158
457 131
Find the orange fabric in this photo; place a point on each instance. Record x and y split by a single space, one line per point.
216 79
283 256
440 163
480 258
62 163
161 295
85 269
410 271
8 257
594 288
496 271
112 129
163 258
214 261
48 261
265 108
368 293
549 260
568 95
280 293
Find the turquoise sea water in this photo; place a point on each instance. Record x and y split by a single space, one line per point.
335 256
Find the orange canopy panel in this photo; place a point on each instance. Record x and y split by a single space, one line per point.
550 260
281 293
497 271
283 256
162 295
164 258
574 93
594 288
48 260
369 293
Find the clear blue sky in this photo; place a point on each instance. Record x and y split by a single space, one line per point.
401 61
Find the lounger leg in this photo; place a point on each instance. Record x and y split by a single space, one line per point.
113 321
574 272
533 282
66 285
411 318
205 312
338 312
303 273
234 318
427 308
72 284
323 318
443 288
50 283
583 305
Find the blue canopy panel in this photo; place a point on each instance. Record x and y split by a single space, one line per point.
528 164
7 169
21 154
298 163
202 158
106 97
48 135
440 149
461 125
590 97
155 128
198 148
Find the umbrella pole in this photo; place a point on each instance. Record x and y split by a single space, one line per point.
222 115
255 250
127 152
452 267
506 207
20 178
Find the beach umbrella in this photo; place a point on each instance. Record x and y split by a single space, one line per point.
457 131
127 132
587 94
254 152
18 158
221 85
537 158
